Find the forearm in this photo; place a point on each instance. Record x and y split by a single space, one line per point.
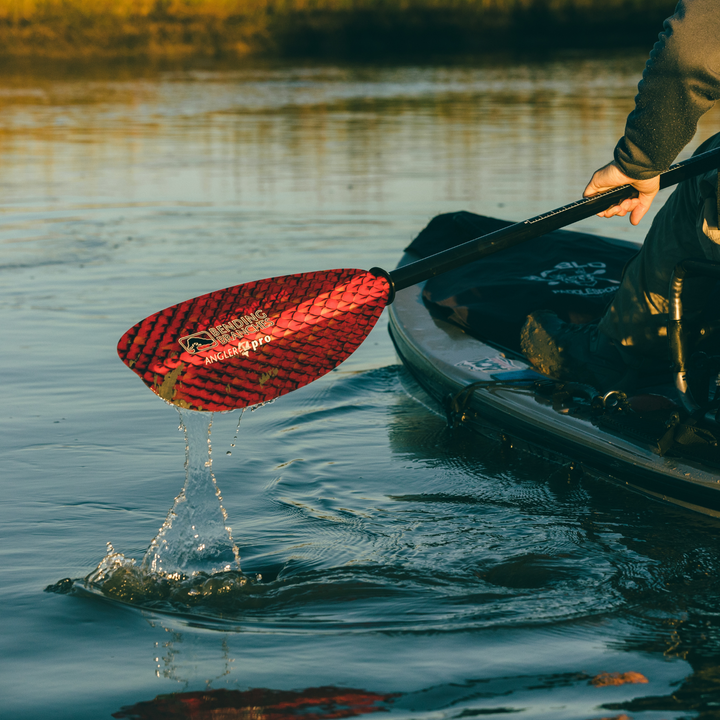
681 82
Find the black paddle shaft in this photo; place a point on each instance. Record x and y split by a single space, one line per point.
480 247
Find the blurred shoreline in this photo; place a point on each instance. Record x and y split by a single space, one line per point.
356 29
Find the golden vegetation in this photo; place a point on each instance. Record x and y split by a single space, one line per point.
39 10
215 27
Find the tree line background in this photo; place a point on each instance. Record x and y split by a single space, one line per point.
350 28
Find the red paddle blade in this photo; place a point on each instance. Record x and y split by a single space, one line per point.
251 343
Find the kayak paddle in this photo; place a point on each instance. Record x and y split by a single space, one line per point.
251 343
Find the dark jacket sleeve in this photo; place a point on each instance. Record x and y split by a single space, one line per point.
680 83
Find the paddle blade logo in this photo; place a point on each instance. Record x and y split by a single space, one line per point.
267 338
198 342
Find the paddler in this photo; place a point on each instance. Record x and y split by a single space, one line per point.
680 83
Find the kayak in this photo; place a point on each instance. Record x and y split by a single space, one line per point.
458 336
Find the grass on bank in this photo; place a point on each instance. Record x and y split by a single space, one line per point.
77 28
34 10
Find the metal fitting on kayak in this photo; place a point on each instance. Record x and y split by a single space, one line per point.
676 336
612 400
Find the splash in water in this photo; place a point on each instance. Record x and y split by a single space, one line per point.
195 536
193 560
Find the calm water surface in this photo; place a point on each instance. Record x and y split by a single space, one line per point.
405 568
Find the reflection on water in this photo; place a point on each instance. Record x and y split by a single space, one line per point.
337 137
397 555
260 704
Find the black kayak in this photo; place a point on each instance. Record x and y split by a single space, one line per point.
458 335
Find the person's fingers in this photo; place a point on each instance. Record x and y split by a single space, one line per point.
596 185
638 214
644 201
606 178
609 177
621 209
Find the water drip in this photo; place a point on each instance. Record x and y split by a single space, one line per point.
237 430
195 536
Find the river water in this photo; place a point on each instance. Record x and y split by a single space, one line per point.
387 564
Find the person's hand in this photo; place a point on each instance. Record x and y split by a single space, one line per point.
610 177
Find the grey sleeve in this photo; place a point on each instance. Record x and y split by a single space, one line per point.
680 83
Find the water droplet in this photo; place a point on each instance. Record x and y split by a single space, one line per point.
237 430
